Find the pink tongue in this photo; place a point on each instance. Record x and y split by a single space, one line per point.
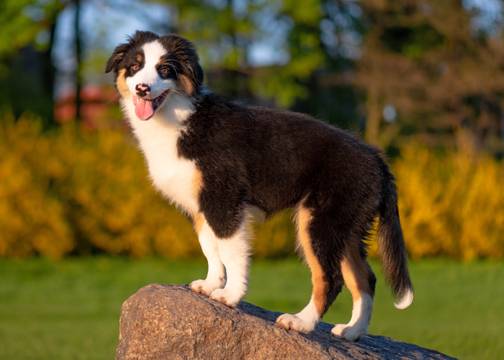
143 108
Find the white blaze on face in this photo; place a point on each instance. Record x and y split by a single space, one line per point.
148 75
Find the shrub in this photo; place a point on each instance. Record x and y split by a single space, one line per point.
451 204
32 217
72 191
78 192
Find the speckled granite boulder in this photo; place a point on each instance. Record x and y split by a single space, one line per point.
172 322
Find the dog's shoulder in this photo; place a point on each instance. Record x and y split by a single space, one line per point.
219 124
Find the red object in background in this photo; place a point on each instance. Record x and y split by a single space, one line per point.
98 103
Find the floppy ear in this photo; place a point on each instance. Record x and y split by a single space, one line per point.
116 58
192 79
198 74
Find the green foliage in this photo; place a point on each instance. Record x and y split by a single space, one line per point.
225 30
23 21
26 42
426 59
304 50
412 42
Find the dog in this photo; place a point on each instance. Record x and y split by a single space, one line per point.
226 164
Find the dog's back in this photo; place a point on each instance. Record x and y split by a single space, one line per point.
221 162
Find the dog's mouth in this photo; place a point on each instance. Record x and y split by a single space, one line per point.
145 108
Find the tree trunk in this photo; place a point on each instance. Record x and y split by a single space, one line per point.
78 59
373 118
231 32
49 72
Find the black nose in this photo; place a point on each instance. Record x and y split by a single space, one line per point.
142 90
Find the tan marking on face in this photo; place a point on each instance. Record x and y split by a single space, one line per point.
186 85
122 87
319 282
355 274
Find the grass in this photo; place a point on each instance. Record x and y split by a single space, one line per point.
70 309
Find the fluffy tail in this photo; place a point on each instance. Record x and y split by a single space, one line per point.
391 244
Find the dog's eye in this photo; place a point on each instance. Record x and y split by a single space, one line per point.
164 71
135 67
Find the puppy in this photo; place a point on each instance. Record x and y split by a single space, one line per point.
223 164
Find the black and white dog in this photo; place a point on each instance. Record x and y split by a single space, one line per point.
225 164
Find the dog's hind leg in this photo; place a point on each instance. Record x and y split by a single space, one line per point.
360 281
209 245
313 238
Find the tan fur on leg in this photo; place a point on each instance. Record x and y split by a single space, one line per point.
306 319
355 272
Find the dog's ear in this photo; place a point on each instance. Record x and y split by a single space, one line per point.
184 56
120 51
117 56
191 78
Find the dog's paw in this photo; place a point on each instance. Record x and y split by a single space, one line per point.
349 332
205 287
290 321
227 296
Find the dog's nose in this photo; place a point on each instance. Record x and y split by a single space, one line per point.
142 90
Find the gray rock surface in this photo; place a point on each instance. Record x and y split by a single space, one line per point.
172 322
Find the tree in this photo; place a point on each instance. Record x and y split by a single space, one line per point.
225 30
27 74
78 58
424 60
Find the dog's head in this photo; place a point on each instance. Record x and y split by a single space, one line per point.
149 68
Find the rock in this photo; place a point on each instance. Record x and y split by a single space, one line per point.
172 322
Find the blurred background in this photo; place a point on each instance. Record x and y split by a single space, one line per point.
81 227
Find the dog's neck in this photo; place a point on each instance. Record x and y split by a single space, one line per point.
158 138
177 109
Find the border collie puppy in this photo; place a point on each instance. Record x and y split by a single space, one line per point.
225 164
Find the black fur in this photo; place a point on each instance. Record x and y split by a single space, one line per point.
390 239
273 159
276 159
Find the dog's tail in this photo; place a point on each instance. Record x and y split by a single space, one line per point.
391 243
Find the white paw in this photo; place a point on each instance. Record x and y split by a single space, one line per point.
349 332
206 286
290 321
227 296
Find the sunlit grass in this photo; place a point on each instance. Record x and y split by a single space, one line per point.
70 309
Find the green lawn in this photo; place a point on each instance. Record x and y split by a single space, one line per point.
70 309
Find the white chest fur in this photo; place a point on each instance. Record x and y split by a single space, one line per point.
174 176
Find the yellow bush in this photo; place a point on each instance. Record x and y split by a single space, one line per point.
76 192
451 204
276 236
31 216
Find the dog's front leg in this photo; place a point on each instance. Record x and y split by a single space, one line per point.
216 277
234 254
